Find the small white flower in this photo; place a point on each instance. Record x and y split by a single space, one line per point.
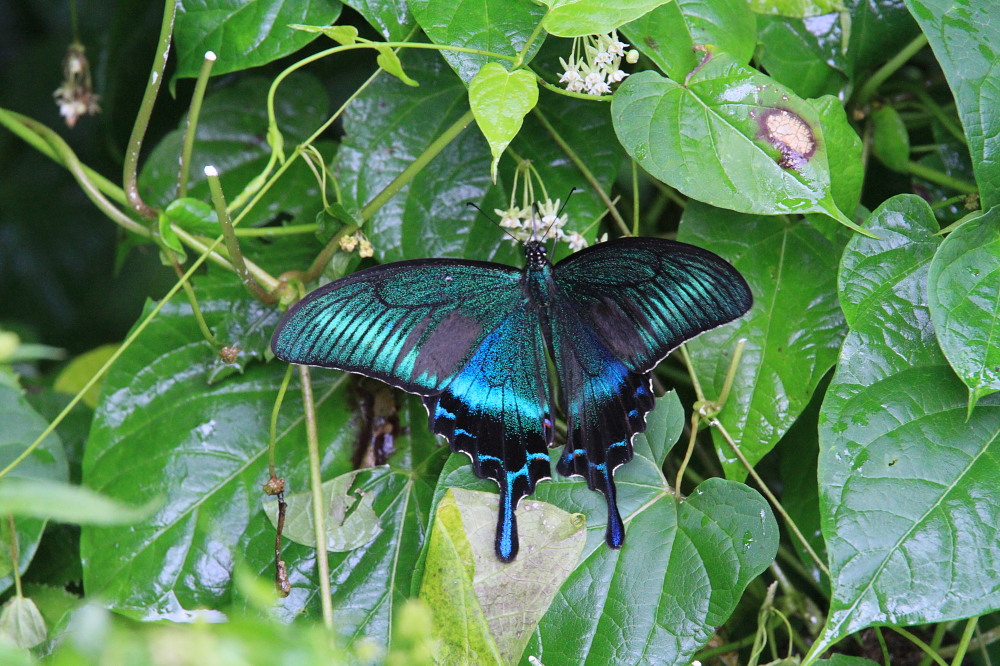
575 86
616 48
617 76
576 241
571 76
599 88
510 218
603 58
593 79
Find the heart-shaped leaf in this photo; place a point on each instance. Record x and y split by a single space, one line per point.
964 291
903 476
576 18
728 136
499 101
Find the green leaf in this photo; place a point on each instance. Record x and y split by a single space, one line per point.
391 19
350 520
691 559
902 473
668 34
804 54
21 426
81 369
389 61
485 610
964 295
499 101
890 139
342 34
390 125
796 8
965 35
875 31
847 170
21 624
791 268
576 18
244 35
711 138
194 216
845 660
50 500
501 27
162 430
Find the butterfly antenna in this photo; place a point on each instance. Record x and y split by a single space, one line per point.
566 202
483 213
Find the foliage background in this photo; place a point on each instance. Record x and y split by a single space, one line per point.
865 396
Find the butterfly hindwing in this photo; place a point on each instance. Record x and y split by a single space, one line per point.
460 334
622 306
497 411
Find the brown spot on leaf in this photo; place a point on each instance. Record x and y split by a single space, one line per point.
790 134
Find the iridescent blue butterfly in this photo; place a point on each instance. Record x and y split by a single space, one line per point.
471 337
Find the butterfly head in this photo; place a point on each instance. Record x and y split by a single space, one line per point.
535 255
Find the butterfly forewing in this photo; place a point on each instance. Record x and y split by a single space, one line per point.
645 296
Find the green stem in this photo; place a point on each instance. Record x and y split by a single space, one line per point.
66 155
886 659
585 170
272 467
18 124
195 309
130 170
232 243
200 244
566 93
981 641
136 332
947 121
191 129
940 629
714 422
15 567
416 166
635 197
870 87
316 486
920 644
269 232
963 644
935 176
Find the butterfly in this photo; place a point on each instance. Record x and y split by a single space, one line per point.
471 338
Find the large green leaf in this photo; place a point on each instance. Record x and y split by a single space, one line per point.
576 18
21 426
877 31
162 430
486 609
668 34
244 34
494 26
908 489
804 54
391 19
387 127
689 559
964 295
793 331
728 136
965 36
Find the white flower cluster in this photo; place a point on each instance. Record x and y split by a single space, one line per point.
360 241
524 225
600 65
75 97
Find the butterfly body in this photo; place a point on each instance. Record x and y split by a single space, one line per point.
471 339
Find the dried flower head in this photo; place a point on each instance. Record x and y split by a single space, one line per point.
76 97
